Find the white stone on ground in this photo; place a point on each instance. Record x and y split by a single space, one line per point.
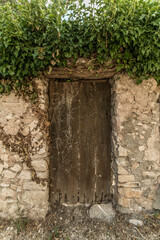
136 222
102 211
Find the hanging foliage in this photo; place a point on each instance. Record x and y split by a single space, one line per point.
36 34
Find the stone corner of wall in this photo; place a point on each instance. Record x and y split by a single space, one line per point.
135 143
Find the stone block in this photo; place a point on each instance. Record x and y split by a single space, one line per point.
11 98
122 171
16 168
33 186
42 150
126 97
4 185
124 202
135 165
3 205
25 167
40 165
146 182
141 148
152 155
13 210
121 161
43 174
6 165
39 157
19 189
42 106
150 174
8 174
102 211
122 152
36 198
141 97
6 180
28 117
37 136
4 157
33 124
26 175
14 187
18 109
2 198
145 203
25 131
12 129
17 158
126 178
7 192
130 192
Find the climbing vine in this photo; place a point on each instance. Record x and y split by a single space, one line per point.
40 34
22 144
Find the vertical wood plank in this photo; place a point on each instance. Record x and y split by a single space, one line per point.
53 169
103 134
87 144
71 180
64 142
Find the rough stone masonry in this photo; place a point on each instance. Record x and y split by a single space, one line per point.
18 192
135 144
135 150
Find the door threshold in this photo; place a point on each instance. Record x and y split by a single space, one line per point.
76 204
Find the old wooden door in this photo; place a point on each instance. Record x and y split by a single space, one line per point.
80 141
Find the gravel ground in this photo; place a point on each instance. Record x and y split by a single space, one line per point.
70 223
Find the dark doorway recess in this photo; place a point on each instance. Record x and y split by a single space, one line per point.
80 149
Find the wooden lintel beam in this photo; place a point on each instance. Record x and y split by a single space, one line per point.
65 73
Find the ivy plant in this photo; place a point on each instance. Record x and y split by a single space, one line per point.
35 34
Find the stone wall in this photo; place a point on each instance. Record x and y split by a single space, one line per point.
135 149
135 144
23 156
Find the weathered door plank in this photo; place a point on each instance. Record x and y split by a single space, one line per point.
87 144
64 146
103 133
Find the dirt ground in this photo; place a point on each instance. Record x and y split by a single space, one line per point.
73 223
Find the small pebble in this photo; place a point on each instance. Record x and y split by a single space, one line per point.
136 222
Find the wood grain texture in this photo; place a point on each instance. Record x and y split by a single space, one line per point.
64 142
80 141
66 73
87 143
